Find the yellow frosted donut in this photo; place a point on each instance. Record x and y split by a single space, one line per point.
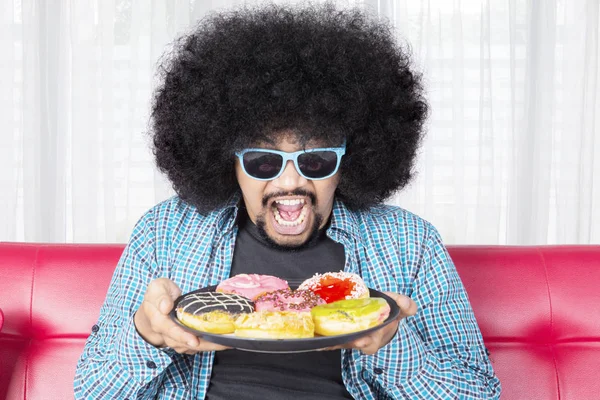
275 325
347 316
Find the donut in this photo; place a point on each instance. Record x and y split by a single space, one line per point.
334 286
288 300
347 316
251 285
212 312
275 325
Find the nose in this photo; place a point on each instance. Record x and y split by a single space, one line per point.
290 178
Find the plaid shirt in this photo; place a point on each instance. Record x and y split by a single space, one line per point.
436 354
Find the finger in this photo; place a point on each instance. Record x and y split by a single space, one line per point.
178 335
205 345
162 293
167 301
364 342
407 305
359 344
163 326
370 349
193 344
175 346
411 308
159 321
370 344
180 347
154 316
184 347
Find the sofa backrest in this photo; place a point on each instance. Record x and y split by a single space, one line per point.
51 296
538 309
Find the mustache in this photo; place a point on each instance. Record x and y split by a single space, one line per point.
296 192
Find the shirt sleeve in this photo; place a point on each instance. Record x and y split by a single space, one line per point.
116 362
447 356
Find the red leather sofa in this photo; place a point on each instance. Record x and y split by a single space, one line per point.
538 309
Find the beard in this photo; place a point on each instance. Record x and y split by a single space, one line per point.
314 234
312 239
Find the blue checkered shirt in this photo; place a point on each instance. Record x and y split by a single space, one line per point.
436 354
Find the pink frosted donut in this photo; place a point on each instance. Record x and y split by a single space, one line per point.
288 300
251 285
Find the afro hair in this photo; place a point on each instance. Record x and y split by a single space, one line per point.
322 73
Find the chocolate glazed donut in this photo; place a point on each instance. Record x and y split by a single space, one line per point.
205 302
212 312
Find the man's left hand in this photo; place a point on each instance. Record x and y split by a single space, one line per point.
370 344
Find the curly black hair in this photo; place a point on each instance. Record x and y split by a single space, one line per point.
323 73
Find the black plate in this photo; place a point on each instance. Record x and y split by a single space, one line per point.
285 345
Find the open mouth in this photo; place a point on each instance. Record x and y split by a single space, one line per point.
290 216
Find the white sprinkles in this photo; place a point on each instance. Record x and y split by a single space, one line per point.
358 290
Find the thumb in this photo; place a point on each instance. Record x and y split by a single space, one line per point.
165 305
168 292
407 305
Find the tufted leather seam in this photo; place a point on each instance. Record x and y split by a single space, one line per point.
551 344
35 263
33 268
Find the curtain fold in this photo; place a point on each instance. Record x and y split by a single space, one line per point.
511 154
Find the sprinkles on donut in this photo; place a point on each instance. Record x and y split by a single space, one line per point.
288 300
334 286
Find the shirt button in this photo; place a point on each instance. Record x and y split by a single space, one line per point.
365 375
95 328
150 364
378 371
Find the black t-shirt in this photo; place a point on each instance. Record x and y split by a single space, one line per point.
300 376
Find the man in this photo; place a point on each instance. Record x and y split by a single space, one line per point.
283 130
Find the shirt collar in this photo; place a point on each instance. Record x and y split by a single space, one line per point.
227 215
344 220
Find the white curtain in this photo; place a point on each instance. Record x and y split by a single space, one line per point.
512 154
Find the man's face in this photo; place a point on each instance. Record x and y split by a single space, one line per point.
290 209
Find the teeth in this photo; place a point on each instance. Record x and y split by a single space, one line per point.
282 221
290 202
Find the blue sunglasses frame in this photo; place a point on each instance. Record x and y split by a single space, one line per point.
339 151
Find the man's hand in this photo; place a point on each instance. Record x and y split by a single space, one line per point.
154 325
370 344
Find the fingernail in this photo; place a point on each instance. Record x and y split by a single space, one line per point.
191 343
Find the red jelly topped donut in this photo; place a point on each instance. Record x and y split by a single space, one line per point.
288 300
334 286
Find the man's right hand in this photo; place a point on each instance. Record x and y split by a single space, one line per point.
154 325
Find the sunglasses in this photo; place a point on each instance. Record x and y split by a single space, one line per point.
313 164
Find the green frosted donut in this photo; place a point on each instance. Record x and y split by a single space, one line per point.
346 316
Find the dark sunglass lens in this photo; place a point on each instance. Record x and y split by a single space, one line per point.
262 165
317 164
